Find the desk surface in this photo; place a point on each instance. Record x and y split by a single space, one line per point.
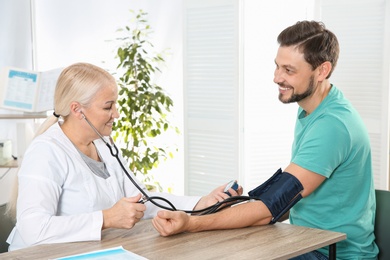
279 241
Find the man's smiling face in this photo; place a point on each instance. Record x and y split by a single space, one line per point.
293 75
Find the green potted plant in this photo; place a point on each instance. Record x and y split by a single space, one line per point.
143 105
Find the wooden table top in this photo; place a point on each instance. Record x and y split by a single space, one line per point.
278 241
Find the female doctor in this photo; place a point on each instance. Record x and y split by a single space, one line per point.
70 186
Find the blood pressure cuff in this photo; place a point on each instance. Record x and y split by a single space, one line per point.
279 193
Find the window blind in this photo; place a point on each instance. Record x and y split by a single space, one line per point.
211 94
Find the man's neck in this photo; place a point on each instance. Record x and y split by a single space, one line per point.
310 103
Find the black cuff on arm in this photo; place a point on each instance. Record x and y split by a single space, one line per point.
279 193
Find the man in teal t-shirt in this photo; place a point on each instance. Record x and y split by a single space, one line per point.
330 173
332 141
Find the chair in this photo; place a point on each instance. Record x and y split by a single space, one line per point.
6 225
382 223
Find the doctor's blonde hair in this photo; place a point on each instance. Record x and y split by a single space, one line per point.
78 82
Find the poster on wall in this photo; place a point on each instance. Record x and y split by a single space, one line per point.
27 90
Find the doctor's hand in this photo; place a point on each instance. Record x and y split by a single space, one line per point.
217 195
124 214
171 222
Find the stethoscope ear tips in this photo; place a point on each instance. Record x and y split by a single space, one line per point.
82 114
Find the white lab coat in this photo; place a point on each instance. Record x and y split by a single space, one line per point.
61 200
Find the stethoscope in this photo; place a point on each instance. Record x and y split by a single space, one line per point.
145 197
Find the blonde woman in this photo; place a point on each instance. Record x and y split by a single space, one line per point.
70 186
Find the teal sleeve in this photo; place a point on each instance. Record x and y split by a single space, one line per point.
324 146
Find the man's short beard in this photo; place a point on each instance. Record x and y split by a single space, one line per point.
299 97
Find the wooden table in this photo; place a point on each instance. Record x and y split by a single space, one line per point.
279 241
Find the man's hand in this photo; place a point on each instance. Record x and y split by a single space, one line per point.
168 223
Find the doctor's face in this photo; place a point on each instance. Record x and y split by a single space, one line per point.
293 75
103 111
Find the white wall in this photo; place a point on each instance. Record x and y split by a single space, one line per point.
15 33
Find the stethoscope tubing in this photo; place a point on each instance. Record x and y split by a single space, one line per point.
145 197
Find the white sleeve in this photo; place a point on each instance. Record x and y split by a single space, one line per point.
41 178
37 221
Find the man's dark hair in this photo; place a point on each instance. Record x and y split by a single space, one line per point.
312 39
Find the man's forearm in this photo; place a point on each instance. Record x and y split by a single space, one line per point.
243 215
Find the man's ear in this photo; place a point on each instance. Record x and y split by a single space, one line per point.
324 70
